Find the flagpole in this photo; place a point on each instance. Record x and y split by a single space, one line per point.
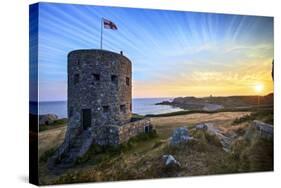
101 33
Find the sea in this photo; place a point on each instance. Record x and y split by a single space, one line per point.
141 106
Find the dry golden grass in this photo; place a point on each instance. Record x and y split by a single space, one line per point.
50 139
143 160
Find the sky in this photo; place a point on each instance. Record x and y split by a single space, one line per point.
173 53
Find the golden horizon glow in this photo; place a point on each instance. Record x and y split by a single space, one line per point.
259 87
248 78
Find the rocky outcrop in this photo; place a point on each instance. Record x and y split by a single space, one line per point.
47 119
224 140
180 135
264 130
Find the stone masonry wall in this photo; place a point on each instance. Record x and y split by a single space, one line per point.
112 134
100 81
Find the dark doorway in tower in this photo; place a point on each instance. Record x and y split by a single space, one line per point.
86 118
148 129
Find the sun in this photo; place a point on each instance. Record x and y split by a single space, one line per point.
259 87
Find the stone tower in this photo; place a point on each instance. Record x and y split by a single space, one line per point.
99 105
99 88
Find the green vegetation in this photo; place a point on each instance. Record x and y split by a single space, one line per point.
57 123
136 117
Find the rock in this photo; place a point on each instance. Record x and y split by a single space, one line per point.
263 129
180 135
201 126
224 140
47 119
170 161
164 103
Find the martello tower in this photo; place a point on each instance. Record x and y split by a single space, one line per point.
99 88
99 104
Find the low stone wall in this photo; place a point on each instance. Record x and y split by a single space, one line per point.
113 134
132 129
78 143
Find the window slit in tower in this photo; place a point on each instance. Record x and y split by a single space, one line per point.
105 108
76 78
96 77
123 108
114 79
127 81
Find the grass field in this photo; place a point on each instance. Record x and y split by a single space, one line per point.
141 157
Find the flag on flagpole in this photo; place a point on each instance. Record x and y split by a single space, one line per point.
109 24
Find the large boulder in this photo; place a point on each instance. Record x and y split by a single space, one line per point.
47 119
202 126
264 130
180 135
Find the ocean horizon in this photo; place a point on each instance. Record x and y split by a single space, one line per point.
141 106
